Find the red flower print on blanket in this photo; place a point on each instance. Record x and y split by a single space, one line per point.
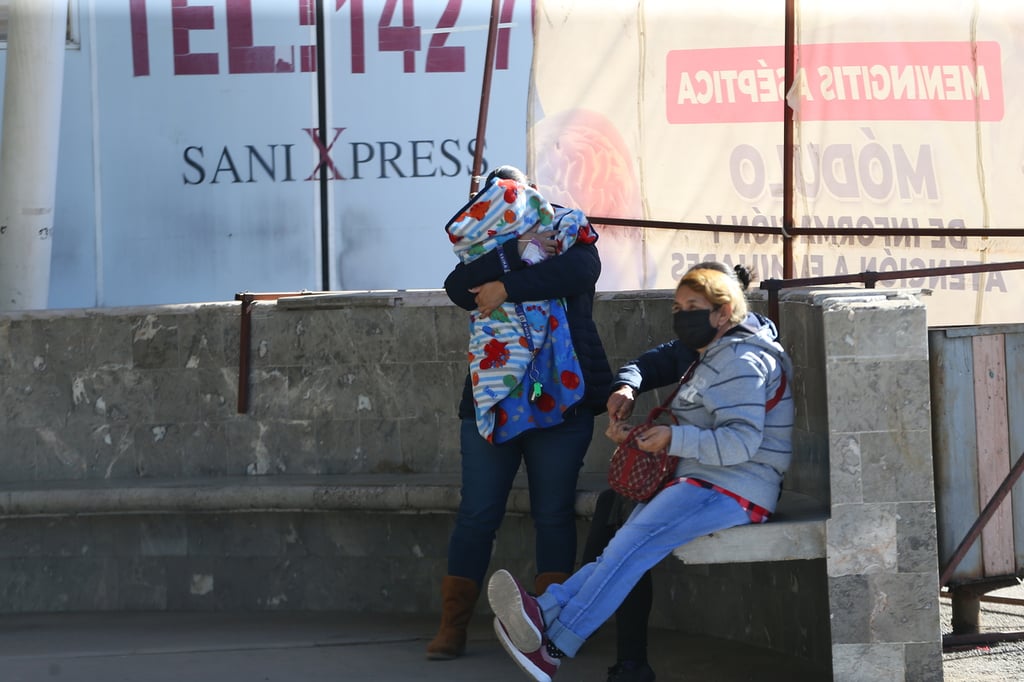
495 354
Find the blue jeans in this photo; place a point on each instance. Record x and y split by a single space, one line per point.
553 457
676 515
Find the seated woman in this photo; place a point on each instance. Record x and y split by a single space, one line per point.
656 368
734 440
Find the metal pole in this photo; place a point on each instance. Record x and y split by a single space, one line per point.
986 513
321 112
485 98
244 351
787 145
37 30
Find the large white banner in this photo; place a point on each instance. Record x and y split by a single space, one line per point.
191 164
907 115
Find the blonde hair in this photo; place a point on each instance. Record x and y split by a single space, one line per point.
719 288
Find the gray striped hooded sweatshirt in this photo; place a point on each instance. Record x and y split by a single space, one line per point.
724 435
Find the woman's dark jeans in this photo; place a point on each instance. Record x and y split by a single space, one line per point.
553 458
632 615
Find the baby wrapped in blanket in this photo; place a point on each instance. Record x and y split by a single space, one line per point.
523 367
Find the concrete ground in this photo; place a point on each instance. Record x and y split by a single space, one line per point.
303 647
274 647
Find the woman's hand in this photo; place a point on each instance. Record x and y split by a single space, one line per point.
654 438
544 240
617 430
620 403
489 297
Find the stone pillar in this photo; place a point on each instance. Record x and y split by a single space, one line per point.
882 558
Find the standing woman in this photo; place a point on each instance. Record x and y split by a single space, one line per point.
552 452
734 441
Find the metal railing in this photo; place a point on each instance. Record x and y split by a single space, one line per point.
869 278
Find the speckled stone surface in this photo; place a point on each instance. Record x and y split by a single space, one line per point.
367 384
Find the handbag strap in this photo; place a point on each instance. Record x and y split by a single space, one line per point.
664 407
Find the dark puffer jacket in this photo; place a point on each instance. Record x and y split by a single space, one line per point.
665 364
571 276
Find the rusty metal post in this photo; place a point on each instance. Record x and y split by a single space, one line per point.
244 350
787 144
245 338
485 98
772 286
997 498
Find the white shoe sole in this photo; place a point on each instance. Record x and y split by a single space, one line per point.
524 663
507 604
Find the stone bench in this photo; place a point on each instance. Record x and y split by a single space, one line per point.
797 530
404 493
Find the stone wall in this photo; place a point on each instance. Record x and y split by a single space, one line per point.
368 383
338 384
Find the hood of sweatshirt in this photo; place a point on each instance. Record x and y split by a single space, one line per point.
755 330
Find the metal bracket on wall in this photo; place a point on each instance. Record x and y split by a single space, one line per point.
245 339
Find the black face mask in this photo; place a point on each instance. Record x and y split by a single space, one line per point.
693 327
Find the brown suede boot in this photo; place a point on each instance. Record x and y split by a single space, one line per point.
458 598
541 582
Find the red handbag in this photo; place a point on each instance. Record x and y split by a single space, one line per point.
638 474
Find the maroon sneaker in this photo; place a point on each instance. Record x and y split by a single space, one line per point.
537 664
517 610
